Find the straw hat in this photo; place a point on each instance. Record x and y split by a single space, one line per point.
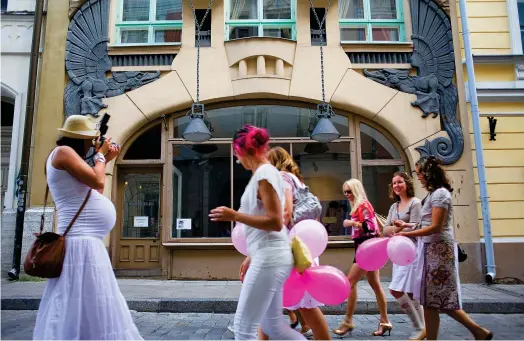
79 127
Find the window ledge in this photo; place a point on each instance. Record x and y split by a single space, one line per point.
332 244
115 50
377 46
380 66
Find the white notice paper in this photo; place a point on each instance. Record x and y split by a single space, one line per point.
141 222
183 224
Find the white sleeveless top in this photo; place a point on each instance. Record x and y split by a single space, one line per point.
98 216
267 248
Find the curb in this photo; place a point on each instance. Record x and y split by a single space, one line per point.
228 306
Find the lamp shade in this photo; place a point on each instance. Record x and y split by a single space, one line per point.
325 131
197 131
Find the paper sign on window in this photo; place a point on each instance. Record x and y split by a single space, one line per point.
141 221
183 224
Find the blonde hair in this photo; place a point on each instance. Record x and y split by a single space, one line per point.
359 194
281 159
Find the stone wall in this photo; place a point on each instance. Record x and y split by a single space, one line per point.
31 225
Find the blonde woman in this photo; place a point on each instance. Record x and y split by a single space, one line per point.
314 321
364 226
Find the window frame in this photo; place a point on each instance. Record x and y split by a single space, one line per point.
369 23
150 25
260 23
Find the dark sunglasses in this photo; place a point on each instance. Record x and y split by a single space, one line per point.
348 192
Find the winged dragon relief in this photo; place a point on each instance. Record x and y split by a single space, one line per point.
434 60
88 65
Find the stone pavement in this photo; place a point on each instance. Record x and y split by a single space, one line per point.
18 325
145 295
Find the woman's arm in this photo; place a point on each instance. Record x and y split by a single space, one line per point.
67 159
389 228
438 214
288 206
272 221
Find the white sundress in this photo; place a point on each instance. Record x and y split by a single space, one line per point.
85 302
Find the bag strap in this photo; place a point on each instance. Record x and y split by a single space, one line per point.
79 211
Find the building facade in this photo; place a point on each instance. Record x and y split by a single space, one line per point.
393 75
17 32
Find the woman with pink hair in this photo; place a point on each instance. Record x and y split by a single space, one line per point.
270 260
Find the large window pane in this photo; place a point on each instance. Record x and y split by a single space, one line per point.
383 9
173 35
243 9
243 32
325 167
134 36
168 9
385 34
141 206
136 10
352 34
281 121
375 145
376 180
201 182
351 9
277 9
278 32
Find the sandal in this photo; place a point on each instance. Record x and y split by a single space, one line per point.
344 328
383 328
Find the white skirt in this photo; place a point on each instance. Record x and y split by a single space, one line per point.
307 301
85 302
403 278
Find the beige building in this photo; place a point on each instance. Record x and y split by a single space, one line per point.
391 76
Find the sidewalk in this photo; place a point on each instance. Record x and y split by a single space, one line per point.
146 295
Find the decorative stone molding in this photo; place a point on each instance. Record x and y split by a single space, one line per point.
75 5
433 58
87 62
261 66
444 5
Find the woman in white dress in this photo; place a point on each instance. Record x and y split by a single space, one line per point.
270 260
404 215
84 303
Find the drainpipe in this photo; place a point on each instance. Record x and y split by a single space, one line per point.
26 147
479 150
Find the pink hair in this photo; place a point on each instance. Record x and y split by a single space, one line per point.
252 140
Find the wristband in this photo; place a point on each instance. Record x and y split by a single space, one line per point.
99 157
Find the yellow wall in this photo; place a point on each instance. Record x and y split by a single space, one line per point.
504 158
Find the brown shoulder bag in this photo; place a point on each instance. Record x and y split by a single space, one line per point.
46 256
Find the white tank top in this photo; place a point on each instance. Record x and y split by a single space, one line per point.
98 216
267 248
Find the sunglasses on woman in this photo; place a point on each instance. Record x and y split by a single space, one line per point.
348 192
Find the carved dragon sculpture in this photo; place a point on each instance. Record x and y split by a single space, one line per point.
434 60
88 64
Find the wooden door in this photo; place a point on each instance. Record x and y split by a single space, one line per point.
140 218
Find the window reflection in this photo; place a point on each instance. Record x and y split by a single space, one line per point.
375 145
201 182
325 167
141 206
376 180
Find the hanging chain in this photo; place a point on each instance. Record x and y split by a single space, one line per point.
320 25
198 27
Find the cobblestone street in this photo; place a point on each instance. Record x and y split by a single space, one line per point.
18 325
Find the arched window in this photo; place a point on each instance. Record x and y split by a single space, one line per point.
380 160
147 146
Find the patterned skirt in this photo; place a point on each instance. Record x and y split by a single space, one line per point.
440 285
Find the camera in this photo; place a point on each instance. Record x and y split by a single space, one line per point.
103 127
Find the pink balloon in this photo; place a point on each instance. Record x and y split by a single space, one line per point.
401 250
239 238
294 289
372 254
327 284
313 234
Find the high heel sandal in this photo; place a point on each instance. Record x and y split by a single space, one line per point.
383 328
344 328
420 336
